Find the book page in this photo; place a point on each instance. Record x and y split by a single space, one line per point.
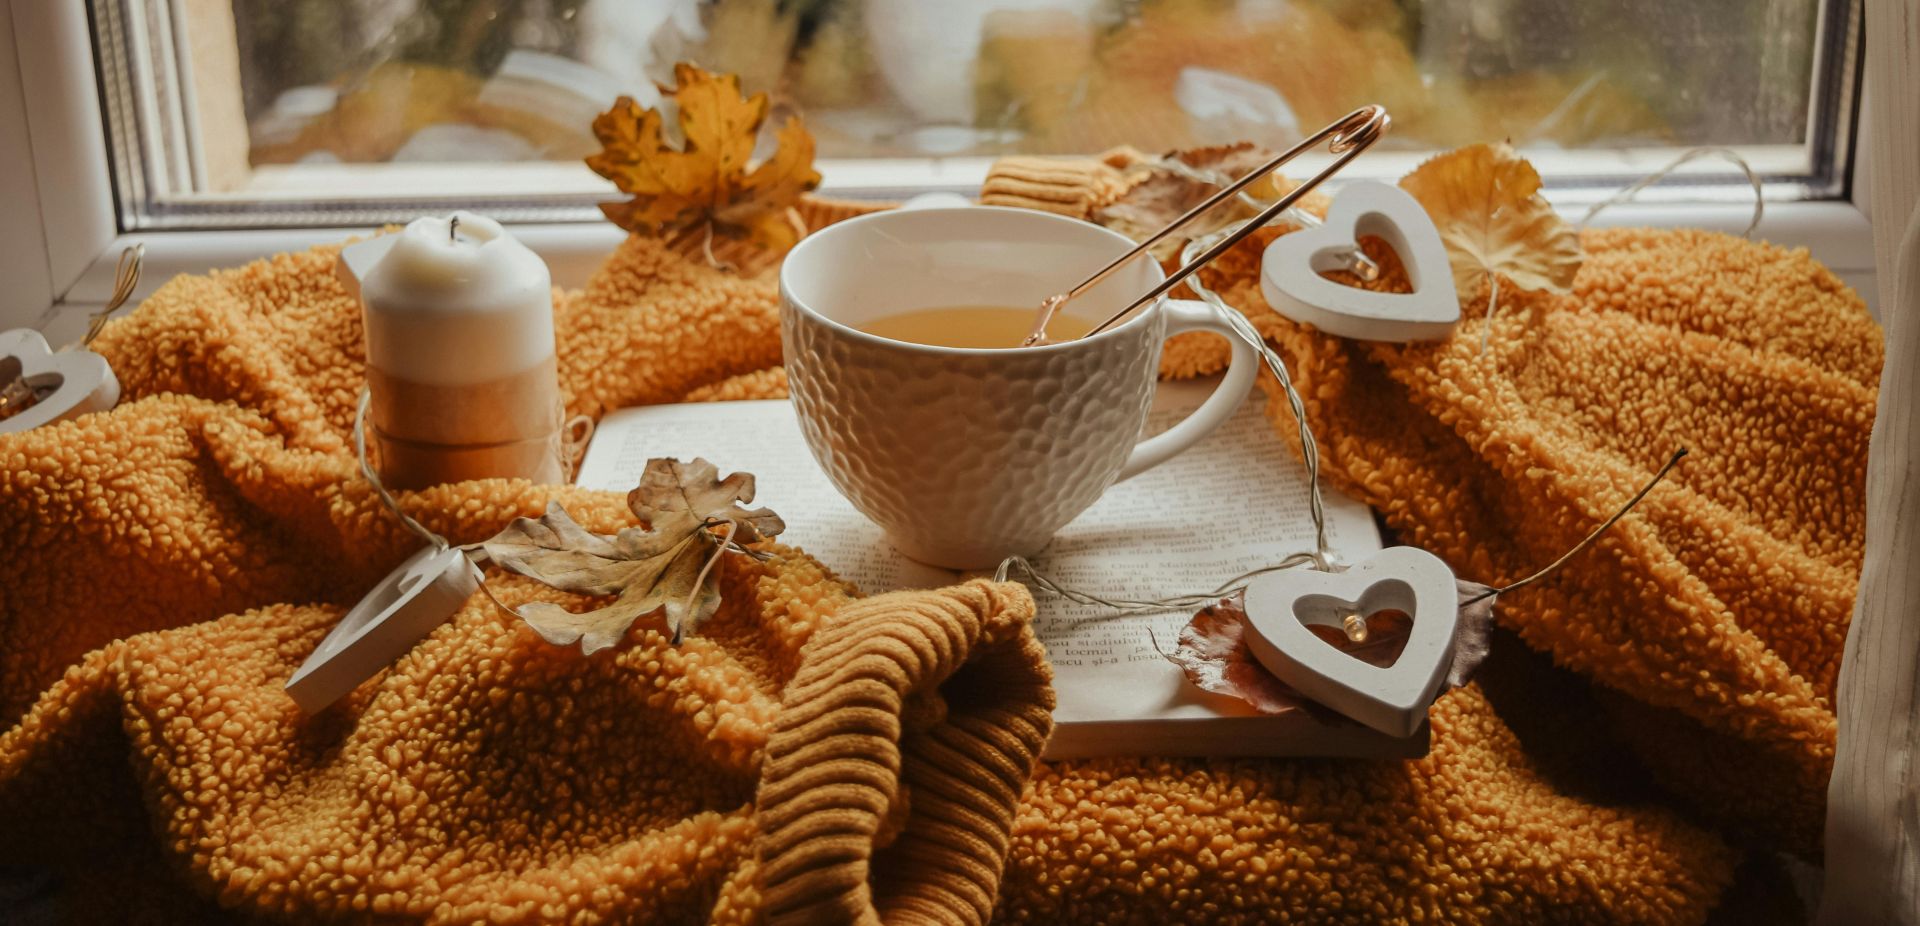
1235 501
763 438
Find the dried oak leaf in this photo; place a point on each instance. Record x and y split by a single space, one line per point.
1486 201
688 514
708 179
1214 655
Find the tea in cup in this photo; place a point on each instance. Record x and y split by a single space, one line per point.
984 326
900 332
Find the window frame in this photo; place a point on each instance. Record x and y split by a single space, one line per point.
76 193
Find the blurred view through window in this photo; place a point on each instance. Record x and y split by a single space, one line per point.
397 82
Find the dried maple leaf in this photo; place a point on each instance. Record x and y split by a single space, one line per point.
678 497
689 517
1486 201
707 179
1213 652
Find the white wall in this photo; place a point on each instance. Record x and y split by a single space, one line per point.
26 279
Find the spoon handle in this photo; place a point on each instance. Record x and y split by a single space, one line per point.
1351 135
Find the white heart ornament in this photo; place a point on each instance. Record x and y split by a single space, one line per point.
1393 699
69 383
1291 267
417 596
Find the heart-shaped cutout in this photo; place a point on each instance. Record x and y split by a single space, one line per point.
67 384
1385 637
1392 699
1291 267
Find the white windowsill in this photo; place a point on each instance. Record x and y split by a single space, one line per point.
291 184
1836 233
295 195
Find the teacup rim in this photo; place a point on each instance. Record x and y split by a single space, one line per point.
842 328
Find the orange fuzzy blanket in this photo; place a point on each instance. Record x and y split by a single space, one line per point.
817 757
1713 620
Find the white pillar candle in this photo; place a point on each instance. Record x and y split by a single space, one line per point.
460 352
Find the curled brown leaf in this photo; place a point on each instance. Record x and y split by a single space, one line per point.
1473 639
1214 655
1166 195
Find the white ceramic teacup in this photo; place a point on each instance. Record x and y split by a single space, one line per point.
967 456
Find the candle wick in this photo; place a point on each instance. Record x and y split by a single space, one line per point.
453 228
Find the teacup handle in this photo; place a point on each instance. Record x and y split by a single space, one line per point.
1185 315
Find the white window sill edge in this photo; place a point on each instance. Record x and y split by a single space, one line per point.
1835 232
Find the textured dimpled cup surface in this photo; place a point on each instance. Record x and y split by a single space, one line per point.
967 456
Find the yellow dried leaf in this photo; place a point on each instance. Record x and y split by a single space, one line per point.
779 179
709 179
1486 201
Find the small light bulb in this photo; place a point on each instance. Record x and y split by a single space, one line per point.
1355 624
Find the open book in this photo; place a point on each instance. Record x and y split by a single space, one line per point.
1234 502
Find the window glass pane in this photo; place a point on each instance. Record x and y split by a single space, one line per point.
295 95
519 79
